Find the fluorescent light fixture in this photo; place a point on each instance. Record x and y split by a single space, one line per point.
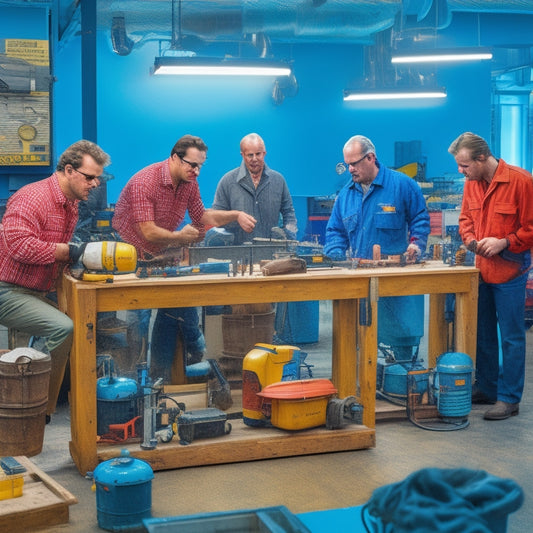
438 56
207 66
392 94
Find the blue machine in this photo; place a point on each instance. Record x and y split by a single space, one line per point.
441 399
452 386
400 328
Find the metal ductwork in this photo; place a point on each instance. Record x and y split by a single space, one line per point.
343 21
284 20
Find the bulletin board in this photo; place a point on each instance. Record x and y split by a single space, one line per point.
24 102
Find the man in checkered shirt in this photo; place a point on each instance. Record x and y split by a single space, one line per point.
37 225
149 210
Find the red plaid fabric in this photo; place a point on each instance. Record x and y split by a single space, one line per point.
150 196
37 217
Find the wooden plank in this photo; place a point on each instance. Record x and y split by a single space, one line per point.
437 328
344 347
248 444
193 395
214 290
368 346
82 310
43 503
466 320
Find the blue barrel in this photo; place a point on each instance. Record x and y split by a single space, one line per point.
453 382
123 492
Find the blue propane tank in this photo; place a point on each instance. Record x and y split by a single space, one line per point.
123 492
117 402
453 384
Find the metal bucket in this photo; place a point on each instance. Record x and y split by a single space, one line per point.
23 400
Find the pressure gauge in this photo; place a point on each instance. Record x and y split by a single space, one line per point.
27 132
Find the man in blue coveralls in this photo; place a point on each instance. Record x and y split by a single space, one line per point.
385 207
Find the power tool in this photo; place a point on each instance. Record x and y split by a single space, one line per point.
100 261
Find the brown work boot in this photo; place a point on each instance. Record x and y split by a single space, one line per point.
501 411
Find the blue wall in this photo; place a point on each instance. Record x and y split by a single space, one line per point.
140 116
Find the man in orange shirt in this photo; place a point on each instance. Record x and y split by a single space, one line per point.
496 222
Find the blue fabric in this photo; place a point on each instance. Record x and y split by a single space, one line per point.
501 306
392 214
452 500
270 201
168 323
346 520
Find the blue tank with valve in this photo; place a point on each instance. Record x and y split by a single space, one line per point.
123 492
117 398
452 385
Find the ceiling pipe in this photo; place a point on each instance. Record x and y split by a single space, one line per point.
122 44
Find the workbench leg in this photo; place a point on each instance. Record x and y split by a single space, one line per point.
368 357
82 310
344 347
466 319
179 376
437 328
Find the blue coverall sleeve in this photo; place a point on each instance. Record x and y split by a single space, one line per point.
337 241
418 224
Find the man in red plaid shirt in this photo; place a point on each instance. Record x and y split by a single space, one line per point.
37 225
149 210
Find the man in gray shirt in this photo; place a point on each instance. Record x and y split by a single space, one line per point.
259 191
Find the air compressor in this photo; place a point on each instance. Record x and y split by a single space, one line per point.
441 399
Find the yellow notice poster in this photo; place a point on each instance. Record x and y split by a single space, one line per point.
24 102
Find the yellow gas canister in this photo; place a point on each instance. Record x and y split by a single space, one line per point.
261 366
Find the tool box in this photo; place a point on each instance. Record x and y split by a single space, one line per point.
201 424
11 478
10 485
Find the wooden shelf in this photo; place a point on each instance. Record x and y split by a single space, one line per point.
43 503
246 443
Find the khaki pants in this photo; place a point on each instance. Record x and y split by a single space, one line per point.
34 313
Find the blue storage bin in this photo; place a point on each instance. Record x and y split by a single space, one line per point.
266 520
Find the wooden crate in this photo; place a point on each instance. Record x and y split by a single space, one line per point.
43 503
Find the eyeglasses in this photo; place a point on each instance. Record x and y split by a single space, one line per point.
355 163
194 166
88 177
258 155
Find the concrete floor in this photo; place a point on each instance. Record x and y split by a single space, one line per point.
318 482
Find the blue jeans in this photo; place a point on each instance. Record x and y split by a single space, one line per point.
501 305
168 323
32 312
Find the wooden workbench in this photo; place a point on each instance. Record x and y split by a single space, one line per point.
353 372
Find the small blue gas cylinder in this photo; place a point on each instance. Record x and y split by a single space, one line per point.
117 401
123 492
453 384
